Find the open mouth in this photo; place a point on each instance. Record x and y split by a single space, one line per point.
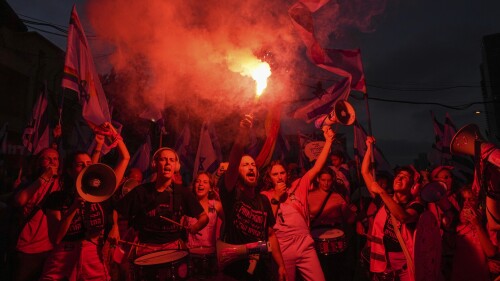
251 176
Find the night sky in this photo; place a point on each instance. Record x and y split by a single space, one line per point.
419 51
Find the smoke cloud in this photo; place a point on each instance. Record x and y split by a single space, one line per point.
184 54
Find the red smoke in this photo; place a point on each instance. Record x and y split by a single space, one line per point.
175 52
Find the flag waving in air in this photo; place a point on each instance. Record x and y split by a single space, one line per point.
81 76
183 148
142 157
381 163
36 135
344 63
435 156
207 158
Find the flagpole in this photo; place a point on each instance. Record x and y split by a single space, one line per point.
40 98
370 132
161 136
61 104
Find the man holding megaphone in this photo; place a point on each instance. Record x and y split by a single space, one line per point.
249 215
79 214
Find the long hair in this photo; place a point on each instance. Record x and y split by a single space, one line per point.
241 179
267 181
211 192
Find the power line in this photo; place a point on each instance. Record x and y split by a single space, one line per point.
46 31
45 24
61 28
40 20
422 89
455 107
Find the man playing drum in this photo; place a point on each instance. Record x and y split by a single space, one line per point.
155 209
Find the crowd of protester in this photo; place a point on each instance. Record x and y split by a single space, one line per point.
325 223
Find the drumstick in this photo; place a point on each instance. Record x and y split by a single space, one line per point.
172 221
176 223
135 244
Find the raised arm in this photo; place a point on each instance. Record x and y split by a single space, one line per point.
329 135
366 171
123 160
96 154
237 150
124 156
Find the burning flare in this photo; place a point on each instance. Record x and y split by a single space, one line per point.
260 73
247 64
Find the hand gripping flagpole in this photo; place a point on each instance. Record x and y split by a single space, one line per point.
370 133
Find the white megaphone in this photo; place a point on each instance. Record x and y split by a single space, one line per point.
227 253
96 183
342 113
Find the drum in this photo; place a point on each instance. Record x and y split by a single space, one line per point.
166 265
329 241
203 262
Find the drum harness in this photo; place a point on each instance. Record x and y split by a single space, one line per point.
322 207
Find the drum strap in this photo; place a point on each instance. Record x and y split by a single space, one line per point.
322 207
409 260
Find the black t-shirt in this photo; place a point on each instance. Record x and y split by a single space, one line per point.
247 219
90 218
144 205
391 241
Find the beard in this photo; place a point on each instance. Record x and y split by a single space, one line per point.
243 180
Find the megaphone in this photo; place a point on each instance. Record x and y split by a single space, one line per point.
228 253
96 183
128 185
463 141
433 191
342 113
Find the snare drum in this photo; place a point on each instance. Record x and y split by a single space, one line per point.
166 265
329 241
203 262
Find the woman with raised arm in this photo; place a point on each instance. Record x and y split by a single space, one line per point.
290 209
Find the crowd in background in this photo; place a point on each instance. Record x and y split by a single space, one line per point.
324 223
